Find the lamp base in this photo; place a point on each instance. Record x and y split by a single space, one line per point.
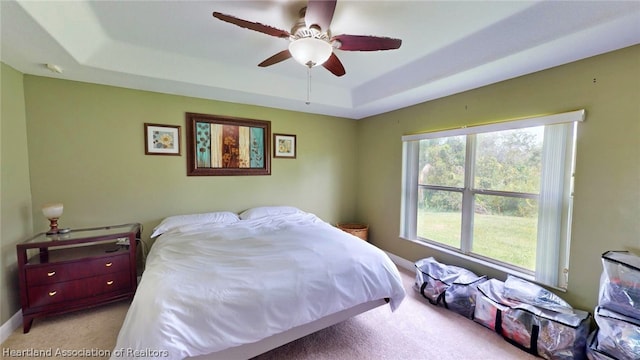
53 226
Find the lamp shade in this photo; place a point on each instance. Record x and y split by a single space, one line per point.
52 211
310 51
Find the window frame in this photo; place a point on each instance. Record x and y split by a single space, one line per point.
555 272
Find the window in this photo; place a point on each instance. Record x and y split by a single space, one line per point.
499 193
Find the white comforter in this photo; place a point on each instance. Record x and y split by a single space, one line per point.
208 288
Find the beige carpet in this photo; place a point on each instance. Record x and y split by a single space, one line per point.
86 330
417 330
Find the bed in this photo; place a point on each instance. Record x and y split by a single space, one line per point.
227 286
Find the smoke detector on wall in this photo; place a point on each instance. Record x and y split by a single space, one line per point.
54 68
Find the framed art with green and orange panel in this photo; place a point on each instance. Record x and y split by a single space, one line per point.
224 145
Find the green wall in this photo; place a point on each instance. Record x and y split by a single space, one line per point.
86 150
15 192
607 183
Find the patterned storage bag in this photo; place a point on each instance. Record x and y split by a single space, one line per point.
533 328
452 286
491 304
620 283
592 348
618 335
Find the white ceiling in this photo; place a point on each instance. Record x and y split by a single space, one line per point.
177 47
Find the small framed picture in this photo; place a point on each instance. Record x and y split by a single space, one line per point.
284 146
161 139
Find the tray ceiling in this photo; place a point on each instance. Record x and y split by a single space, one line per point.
177 47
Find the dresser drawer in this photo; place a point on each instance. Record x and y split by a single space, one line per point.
111 282
59 292
55 273
110 264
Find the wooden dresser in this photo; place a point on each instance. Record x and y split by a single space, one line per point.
80 269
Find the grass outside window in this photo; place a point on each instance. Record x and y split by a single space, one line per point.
510 239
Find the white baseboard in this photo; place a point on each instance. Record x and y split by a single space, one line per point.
10 326
403 263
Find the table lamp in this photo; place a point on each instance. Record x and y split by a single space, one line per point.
53 213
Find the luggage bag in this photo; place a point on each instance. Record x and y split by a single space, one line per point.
532 327
620 283
452 286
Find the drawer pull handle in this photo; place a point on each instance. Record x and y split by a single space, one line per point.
110 282
52 293
51 273
108 264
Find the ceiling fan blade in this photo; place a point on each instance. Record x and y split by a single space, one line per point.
366 43
281 56
334 65
265 29
320 12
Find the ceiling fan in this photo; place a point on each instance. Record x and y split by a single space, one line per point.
311 42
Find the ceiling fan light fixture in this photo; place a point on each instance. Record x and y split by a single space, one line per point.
310 51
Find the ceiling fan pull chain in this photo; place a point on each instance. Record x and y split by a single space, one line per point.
308 86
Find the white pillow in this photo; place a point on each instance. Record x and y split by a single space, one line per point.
262 211
172 222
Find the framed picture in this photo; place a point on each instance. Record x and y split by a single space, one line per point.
223 145
284 146
161 139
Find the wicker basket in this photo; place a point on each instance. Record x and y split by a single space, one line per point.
359 230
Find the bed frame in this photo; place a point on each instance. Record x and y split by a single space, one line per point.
254 349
